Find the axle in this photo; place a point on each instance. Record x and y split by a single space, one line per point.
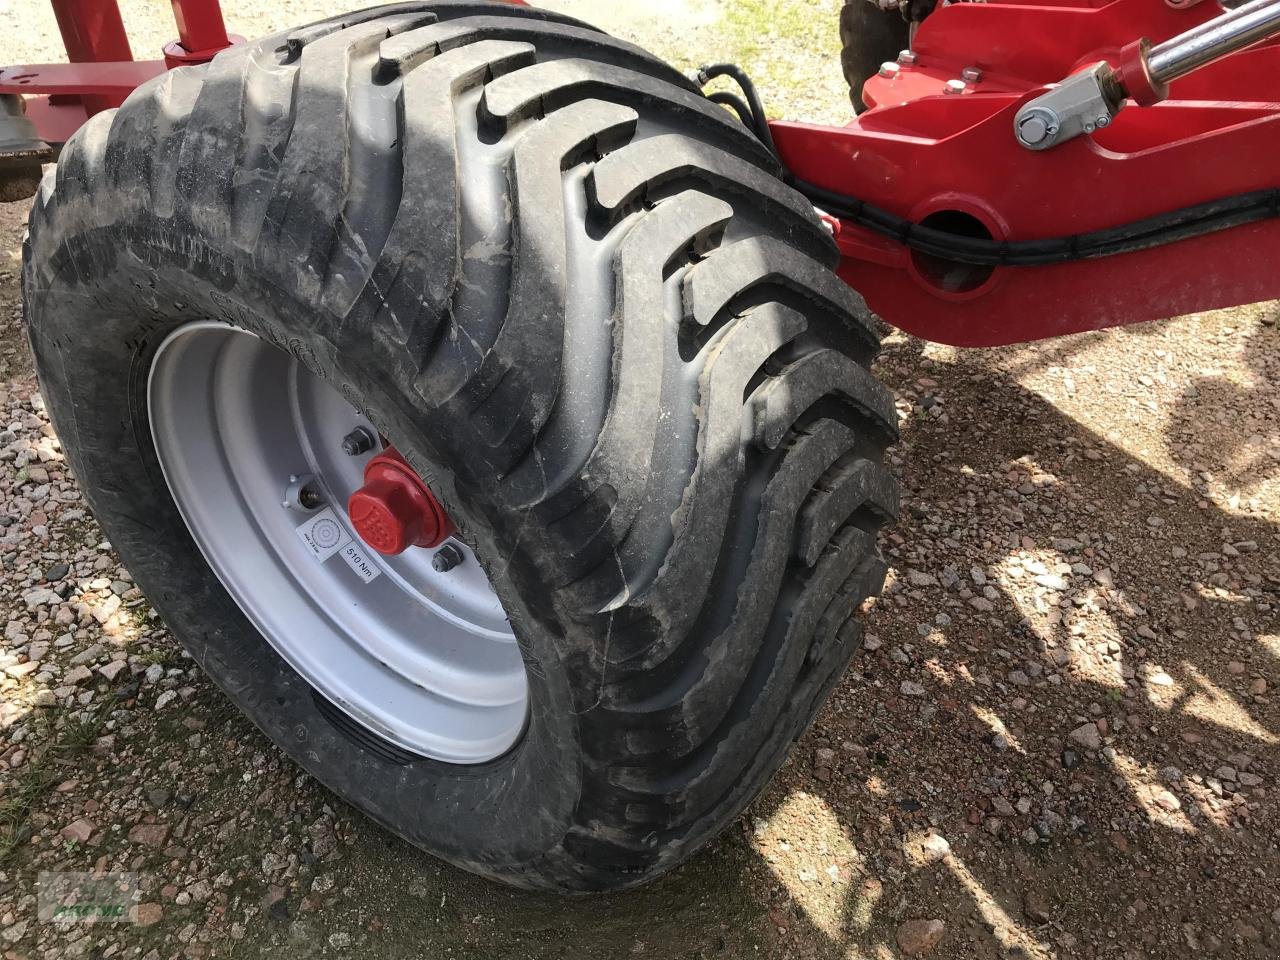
1090 100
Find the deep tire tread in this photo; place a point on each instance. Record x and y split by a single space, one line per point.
424 177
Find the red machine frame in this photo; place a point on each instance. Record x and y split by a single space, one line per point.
102 71
934 149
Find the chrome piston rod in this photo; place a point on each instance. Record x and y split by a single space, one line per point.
1089 100
1213 40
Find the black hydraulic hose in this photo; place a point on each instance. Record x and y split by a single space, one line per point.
1164 228
1182 224
760 122
736 104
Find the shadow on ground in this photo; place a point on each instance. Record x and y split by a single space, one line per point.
1139 848
1143 847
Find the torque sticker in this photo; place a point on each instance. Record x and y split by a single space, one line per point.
323 534
359 562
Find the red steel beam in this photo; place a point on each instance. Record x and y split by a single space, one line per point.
102 71
200 24
201 32
92 31
113 81
55 119
922 151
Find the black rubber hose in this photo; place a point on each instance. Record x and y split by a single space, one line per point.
1181 224
739 76
737 105
1159 230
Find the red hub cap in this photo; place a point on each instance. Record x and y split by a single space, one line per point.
394 510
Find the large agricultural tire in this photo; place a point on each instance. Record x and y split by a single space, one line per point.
868 37
577 298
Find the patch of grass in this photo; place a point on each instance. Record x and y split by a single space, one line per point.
78 734
159 653
40 773
791 49
26 788
761 24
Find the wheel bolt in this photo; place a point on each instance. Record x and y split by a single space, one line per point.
358 441
446 558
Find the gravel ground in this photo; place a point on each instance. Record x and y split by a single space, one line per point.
1060 741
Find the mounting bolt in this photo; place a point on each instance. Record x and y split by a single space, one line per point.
954 86
908 58
1032 130
971 74
1103 121
889 69
1036 127
358 441
446 558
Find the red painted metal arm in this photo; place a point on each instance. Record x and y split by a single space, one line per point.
952 161
113 81
92 32
200 25
948 160
61 96
102 71
201 33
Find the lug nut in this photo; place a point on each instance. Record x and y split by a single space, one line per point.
889 69
358 441
954 86
971 74
446 558
908 58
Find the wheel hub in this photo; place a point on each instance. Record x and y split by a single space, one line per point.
307 521
394 510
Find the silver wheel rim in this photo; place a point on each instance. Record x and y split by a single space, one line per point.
424 659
